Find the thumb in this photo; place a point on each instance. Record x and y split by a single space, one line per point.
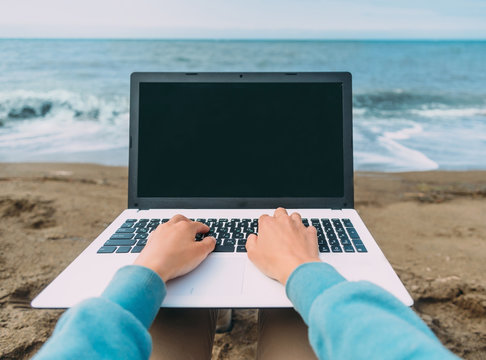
207 244
251 242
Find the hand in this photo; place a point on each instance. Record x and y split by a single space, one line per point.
171 249
283 243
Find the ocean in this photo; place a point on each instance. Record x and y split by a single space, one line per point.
418 105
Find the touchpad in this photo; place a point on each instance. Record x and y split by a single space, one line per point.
215 276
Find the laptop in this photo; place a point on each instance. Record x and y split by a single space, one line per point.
223 149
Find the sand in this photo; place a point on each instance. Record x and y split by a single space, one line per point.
430 225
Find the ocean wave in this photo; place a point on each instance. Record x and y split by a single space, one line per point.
403 134
29 105
36 124
379 148
449 112
399 99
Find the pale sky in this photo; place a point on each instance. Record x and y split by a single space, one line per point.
327 19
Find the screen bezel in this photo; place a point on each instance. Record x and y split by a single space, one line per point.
136 202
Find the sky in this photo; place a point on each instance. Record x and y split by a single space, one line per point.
247 19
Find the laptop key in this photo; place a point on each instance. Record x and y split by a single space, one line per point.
336 248
324 248
125 230
127 225
106 249
142 242
333 242
348 248
122 236
331 236
242 242
224 248
120 242
345 242
347 223
343 236
241 248
360 248
124 249
141 236
137 249
353 234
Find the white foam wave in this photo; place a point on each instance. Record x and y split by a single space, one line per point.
56 122
389 154
21 105
403 133
449 112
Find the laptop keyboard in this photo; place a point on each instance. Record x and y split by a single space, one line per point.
333 235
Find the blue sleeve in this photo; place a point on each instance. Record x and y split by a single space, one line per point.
358 320
112 326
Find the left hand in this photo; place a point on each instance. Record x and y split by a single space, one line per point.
171 249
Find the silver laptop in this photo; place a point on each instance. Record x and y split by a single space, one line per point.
223 149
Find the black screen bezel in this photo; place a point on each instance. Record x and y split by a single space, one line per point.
137 202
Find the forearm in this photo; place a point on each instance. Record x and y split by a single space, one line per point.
358 319
113 326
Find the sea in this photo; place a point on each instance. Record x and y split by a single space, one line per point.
417 105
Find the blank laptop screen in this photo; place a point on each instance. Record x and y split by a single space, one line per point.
240 140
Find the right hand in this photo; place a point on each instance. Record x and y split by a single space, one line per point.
283 243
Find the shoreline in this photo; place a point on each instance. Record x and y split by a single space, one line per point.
429 224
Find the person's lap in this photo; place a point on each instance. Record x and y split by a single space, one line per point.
189 334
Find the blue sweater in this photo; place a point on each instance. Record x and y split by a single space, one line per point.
347 320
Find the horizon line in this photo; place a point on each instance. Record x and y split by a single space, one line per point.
244 39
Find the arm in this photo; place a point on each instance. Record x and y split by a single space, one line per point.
115 325
347 320
112 326
353 320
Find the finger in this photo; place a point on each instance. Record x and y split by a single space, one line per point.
177 218
280 212
208 244
200 227
263 218
296 217
251 240
311 231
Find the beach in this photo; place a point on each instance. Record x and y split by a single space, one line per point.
430 225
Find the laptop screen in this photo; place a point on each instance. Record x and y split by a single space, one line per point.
240 139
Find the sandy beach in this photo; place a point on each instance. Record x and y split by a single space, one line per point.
430 225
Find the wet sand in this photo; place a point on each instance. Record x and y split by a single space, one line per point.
430 225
